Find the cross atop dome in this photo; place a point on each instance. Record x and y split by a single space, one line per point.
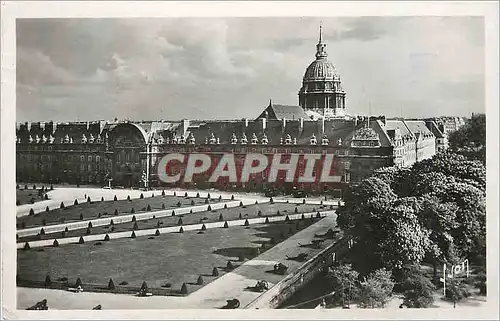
321 47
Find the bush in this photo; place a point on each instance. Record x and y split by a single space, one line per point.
226 225
232 197
111 222
215 272
115 198
225 206
89 231
81 240
115 212
135 227
230 265
163 193
42 231
157 233
192 203
46 197
55 243
75 202
148 208
81 216
209 208
48 281
18 203
47 209
247 223
267 220
133 235
32 212
141 197
181 230
78 282
128 198
200 280
197 195
106 237
123 283
102 199
241 203
88 200
173 213
62 205
184 289
26 246
133 218
90 225
179 204
132 211
162 206
111 284
259 213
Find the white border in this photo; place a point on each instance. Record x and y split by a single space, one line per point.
11 10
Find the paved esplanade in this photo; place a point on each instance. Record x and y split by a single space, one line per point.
212 296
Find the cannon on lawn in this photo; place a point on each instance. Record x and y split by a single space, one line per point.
302 257
315 243
232 304
42 305
330 234
97 307
280 269
261 286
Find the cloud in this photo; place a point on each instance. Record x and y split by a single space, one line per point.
230 67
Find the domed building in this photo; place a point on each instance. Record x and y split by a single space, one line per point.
322 91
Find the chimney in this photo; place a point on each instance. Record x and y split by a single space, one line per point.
42 126
284 122
185 126
321 124
264 124
246 122
28 126
301 125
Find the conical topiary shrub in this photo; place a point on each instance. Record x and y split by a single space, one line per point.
163 193
144 286
115 212
192 203
157 232
296 210
141 197
230 265
111 284
256 202
66 229
78 282
90 225
175 194
221 218
186 194
106 237
111 222
81 240
75 202
304 201
89 231
208 196
302 217
162 206
184 289
47 209
32 212
197 195
81 216
191 211
26 246
240 216
225 206
180 222
42 231
200 280
241 203
271 200
209 208
152 194
287 219
128 198
259 213
48 281
102 199
226 225
134 218
135 227
215 272
132 236
247 223
46 197
181 230
318 215
115 198
55 243
220 198
173 213
203 227
132 211
278 212
179 204
267 220
88 200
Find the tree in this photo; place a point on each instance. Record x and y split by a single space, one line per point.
456 290
376 289
417 288
343 280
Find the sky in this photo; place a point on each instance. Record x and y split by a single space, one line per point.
229 68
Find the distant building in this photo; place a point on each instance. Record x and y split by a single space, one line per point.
93 152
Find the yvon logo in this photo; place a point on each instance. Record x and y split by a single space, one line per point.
243 168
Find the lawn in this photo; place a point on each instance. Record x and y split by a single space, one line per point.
28 196
250 211
106 209
169 258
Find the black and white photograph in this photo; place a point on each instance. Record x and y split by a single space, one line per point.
310 163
